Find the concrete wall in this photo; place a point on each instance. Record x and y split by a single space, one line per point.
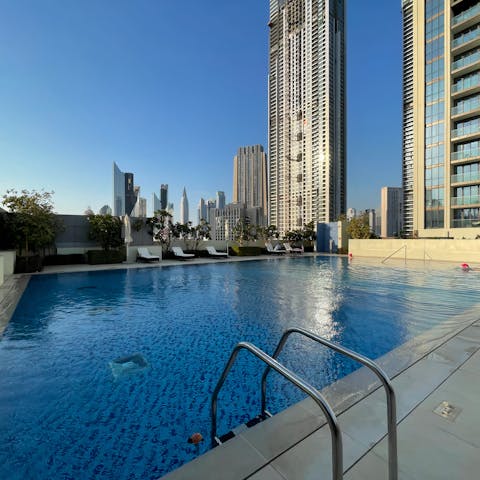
2 275
74 236
8 261
428 249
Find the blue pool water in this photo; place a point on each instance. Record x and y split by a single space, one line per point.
65 413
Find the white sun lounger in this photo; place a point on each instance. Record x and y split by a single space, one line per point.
178 252
276 250
144 254
291 249
213 252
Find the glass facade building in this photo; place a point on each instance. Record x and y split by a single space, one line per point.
441 117
124 196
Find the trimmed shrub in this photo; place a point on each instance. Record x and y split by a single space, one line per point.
241 251
69 259
30 264
97 257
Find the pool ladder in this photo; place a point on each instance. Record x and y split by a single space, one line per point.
335 432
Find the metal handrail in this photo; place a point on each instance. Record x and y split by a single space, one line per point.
337 447
391 255
390 393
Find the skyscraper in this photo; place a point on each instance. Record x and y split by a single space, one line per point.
184 218
441 117
220 199
307 151
163 197
155 203
250 177
124 197
202 210
392 209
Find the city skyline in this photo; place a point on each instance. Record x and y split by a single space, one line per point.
81 92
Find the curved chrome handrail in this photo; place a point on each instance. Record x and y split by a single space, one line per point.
390 393
337 448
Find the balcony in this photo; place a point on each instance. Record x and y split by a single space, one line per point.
467 107
466 132
466 223
464 156
463 63
466 41
469 83
466 177
464 201
465 18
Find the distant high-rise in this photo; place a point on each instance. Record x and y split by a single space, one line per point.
372 219
105 210
250 178
140 207
220 199
124 197
202 210
307 124
163 197
184 217
210 206
351 213
441 118
156 203
392 212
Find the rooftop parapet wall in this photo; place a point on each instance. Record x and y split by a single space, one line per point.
421 249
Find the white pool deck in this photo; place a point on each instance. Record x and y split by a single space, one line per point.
441 365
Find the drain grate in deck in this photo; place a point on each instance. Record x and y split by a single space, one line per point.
448 411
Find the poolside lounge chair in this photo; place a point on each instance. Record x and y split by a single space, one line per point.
291 249
278 250
179 253
145 255
213 252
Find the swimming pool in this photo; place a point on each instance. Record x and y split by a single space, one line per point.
67 412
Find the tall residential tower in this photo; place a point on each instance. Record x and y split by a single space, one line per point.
250 178
307 125
441 118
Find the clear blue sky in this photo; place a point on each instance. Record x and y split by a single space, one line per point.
169 90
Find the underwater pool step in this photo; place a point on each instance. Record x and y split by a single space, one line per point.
241 428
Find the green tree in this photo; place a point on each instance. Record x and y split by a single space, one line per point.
32 223
309 231
106 230
243 231
294 236
200 232
269 232
163 230
359 228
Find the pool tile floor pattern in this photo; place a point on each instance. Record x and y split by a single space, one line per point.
295 444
